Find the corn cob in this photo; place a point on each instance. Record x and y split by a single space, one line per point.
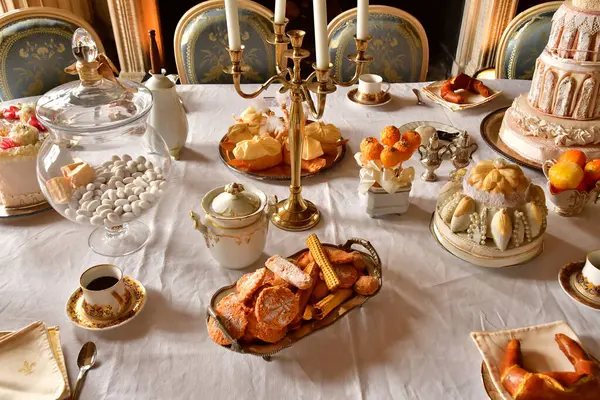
330 302
316 250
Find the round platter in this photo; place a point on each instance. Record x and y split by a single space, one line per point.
490 132
281 172
13 212
411 126
531 250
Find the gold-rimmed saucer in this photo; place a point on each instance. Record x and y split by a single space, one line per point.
567 277
77 315
353 96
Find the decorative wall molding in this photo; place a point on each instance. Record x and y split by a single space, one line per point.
482 26
81 8
131 20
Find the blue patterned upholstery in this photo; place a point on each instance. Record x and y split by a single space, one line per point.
523 43
399 48
33 55
203 49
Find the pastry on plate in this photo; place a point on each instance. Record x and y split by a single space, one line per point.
312 152
257 154
328 135
464 82
235 134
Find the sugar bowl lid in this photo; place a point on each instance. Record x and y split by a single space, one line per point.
234 202
98 101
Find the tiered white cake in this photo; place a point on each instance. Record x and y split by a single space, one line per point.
562 108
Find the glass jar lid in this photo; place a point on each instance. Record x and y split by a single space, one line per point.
235 202
96 102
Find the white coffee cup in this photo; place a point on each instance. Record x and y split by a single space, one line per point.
591 269
370 85
104 292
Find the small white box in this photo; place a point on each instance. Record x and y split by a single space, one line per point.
379 202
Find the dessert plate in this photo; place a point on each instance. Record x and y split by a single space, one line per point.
373 263
281 172
567 277
352 96
78 317
12 212
448 131
490 131
473 99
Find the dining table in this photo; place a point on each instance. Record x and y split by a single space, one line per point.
411 341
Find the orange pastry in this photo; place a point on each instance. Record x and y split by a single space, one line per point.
347 275
366 285
304 259
249 283
272 279
576 156
405 149
259 330
233 315
319 291
337 256
216 334
259 164
276 306
390 135
413 139
391 157
357 261
365 142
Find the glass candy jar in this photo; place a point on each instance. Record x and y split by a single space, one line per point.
102 164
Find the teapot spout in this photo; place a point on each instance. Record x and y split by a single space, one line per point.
173 77
271 205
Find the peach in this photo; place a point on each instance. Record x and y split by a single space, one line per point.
592 171
576 156
565 175
390 135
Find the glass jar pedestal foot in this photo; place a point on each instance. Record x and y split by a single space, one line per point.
119 240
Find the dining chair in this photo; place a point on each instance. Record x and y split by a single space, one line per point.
399 44
201 37
523 41
35 48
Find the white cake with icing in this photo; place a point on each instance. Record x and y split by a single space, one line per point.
562 108
493 216
19 146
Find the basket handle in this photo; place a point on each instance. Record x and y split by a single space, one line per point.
234 343
370 249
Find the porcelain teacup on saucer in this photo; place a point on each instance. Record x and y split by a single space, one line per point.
370 91
581 281
105 299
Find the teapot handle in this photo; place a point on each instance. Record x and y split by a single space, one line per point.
546 167
271 205
200 227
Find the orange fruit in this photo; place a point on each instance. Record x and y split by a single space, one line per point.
366 141
565 175
554 190
583 186
576 156
404 147
373 150
413 138
592 171
390 135
391 156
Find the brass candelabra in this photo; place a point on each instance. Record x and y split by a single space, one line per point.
296 213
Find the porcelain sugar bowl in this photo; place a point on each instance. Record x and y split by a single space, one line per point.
236 223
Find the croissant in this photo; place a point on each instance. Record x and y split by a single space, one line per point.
462 81
583 384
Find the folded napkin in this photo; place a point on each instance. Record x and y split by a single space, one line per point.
540 350
33 365
390 179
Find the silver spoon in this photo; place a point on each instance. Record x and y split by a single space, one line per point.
85 361
416 92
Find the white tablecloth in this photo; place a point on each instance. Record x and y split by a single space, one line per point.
410 342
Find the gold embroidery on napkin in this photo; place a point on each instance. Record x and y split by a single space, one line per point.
27 368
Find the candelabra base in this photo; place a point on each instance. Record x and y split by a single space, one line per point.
295 214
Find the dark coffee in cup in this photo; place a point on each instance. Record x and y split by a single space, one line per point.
101 283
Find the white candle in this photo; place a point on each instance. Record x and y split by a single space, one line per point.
362 20
233 24
279 11
321 34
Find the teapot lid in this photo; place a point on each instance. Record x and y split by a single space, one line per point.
98 101
234 202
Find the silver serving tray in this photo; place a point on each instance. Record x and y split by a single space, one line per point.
266 350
